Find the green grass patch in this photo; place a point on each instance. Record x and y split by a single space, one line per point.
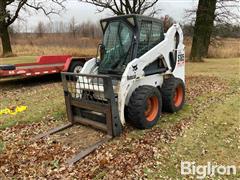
100 175
214 137
224 68
18 60
43 103
1 146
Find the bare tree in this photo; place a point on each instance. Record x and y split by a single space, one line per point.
90 29
227 11
121 7
40 29
207 13
168 21
73 27
10 10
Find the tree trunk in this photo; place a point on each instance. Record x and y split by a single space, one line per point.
4 34
6 44
203 29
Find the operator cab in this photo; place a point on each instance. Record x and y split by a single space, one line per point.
126 38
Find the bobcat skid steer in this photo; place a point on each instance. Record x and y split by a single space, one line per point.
138 73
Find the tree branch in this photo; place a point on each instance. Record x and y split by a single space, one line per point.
47 7
121 7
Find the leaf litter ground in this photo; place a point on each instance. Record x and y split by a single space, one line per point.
124 157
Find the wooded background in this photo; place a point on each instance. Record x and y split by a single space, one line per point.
205 25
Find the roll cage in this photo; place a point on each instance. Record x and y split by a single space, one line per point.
146 33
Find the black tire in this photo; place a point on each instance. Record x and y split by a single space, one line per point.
7 67
74 65
173 94
139 112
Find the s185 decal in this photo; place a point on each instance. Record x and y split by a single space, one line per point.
181 59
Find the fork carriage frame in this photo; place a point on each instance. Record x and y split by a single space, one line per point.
106 105
75 101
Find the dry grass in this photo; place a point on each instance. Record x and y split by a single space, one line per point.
32 45
27 50
48 44
57 39
228 48
222 48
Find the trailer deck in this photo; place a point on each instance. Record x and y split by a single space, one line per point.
44 65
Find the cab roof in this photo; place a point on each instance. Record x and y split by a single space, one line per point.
137 17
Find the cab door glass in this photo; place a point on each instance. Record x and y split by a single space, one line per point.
118 42
156 35
145 32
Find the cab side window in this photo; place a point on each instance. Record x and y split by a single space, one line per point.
156 35
145 32
151 33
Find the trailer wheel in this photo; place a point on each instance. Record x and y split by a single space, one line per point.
145 107
7 67
76 67
173 94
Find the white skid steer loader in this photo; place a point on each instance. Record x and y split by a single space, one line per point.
138 73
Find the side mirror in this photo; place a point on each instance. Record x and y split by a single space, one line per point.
100 53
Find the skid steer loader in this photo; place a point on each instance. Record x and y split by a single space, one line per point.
139 71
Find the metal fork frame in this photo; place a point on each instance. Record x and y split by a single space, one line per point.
113 125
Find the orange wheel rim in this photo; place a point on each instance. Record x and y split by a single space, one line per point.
152 108
178 98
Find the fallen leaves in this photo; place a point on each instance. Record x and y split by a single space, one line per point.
199 85
124 157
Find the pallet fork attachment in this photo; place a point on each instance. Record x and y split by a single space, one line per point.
90 101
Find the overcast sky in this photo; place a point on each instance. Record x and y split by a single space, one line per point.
84 12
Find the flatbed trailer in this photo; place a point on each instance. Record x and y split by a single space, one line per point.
43 66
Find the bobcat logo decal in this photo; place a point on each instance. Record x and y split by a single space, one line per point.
135 68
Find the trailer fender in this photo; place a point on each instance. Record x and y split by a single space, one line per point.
71 60
52 59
